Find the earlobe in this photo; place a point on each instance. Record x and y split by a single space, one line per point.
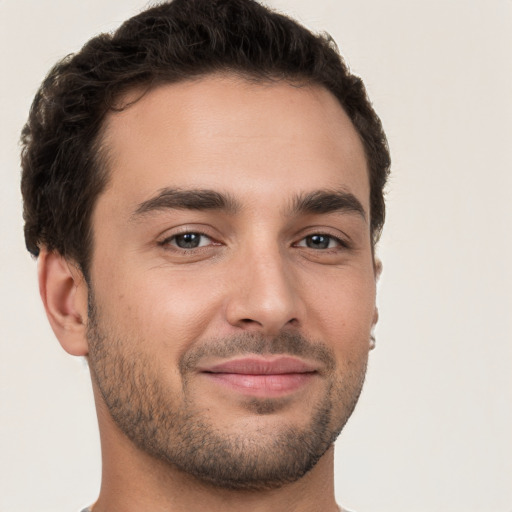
64 294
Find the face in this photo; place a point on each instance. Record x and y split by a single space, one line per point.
232 280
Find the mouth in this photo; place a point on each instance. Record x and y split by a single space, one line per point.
262 377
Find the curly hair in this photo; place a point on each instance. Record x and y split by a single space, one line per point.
62 168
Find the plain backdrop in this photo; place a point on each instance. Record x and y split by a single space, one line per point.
433 429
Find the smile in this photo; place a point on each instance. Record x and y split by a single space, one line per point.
261 377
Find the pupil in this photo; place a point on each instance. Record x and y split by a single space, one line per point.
317 242
188 240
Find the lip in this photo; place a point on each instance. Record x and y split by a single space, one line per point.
262 377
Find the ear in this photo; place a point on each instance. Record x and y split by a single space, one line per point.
64 293
375 319
377 269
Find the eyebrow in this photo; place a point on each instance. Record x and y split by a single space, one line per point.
192 199
327 201
316 202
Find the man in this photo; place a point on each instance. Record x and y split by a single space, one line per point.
204 191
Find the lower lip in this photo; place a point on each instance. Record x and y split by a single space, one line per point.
262 385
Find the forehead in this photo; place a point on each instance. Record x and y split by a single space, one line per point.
227 133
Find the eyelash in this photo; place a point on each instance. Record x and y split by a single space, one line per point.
169 241
343 244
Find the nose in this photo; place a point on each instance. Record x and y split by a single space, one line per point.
263 295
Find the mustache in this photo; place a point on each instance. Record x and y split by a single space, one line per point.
285 343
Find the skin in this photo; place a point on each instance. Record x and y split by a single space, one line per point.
263 145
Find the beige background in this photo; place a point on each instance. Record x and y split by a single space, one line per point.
433 431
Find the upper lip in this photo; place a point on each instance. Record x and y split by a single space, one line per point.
262 366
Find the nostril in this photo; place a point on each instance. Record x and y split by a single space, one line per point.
248 321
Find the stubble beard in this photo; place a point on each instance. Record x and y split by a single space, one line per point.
168 425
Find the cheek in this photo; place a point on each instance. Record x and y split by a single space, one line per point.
342 311
168 310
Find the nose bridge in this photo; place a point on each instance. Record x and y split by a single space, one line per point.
264 295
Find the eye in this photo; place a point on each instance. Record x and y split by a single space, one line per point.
189 240
320 241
